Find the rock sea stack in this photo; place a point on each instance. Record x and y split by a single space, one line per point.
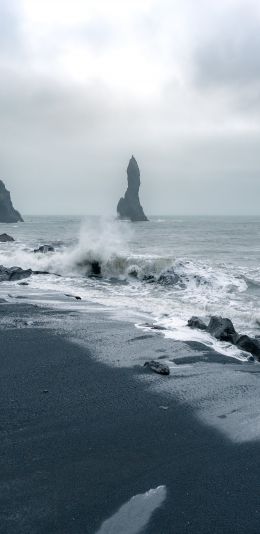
129 206
7 212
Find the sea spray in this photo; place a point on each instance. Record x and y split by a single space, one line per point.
104 242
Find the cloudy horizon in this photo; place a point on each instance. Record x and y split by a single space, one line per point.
86 84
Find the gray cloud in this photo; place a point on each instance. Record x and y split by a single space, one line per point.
65 142
228 54
10 31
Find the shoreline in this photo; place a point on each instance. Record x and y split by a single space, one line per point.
81 437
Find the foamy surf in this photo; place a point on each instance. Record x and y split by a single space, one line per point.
142 274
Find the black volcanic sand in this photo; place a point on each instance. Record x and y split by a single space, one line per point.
80 438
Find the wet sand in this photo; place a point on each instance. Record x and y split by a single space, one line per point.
80 438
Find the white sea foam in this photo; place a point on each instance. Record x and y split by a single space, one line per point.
105 243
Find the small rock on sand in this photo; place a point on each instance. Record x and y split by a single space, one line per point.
158 367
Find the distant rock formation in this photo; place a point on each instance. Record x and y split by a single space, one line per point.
129 207
5 238
7 212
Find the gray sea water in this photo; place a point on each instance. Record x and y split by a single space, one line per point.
164 270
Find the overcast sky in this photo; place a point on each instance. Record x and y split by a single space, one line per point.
87 83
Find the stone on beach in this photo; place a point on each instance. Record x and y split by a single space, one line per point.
158 367
223 330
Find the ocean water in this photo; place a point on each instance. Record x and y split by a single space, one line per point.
162 271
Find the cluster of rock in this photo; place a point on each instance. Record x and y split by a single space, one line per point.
8 274
129 206
7 212
223 329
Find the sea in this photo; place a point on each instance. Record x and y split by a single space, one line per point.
159 272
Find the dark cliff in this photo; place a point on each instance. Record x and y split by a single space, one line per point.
129 207
7 212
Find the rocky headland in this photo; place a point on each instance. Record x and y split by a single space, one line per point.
7 212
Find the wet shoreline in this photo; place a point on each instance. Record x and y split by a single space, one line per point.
80 438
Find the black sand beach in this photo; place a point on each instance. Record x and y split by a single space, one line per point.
80 438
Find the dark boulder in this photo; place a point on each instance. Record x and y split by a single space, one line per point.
149 278
43 249
13 273
196 322
7 212
222 329
5 238
170 278
249 344
129 206
158 367
95 268
133 271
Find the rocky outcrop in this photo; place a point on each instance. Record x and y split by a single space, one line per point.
7 212
5 238
13 273
129 207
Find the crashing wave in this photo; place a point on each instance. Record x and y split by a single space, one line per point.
103 252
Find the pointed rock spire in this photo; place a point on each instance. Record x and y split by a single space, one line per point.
129 207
